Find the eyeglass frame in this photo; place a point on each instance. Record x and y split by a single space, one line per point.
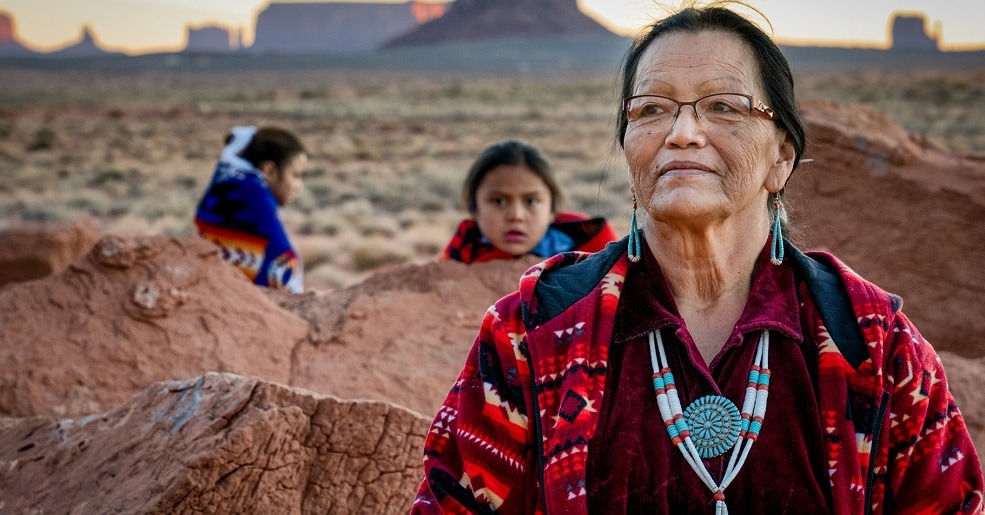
756 106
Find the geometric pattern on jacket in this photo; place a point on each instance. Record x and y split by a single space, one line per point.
512 435
586 234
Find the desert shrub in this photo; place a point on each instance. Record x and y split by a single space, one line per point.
41 214
186 182
315 173
118 210
454 89
44 139
314 226
429 248
107 176
375 254
312 94
432 203
378 227
446 185
315 256
321 192
84 204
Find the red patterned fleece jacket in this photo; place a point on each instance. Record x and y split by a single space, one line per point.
512 436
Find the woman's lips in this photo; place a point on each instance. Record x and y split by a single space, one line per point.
681 168
517 236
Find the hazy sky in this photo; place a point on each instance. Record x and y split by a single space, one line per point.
159 25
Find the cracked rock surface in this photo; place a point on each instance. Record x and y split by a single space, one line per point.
131 312
219 443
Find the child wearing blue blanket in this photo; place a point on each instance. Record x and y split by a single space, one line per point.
258 171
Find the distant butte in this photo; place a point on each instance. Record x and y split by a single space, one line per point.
9 45
85 46
471 20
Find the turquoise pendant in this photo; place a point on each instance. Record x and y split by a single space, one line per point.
714 422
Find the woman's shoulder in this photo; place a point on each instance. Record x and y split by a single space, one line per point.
860 290
557 283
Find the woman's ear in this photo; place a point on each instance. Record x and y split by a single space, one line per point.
783 167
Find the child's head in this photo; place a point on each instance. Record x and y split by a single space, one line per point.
512 196
281 157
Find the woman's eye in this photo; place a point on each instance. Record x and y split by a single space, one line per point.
652 110
721 107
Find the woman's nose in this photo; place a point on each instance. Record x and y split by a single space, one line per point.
686 129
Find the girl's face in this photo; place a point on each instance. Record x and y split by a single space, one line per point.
513 208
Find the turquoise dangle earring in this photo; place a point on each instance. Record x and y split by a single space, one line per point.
776 247
634 237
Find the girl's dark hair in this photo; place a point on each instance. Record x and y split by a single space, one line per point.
512 153
774 71
272 144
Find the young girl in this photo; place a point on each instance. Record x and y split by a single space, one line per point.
258 171
512 197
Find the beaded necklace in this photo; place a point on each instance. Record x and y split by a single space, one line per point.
712 424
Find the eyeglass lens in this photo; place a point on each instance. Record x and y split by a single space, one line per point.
722 108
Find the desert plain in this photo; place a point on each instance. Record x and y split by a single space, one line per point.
389 149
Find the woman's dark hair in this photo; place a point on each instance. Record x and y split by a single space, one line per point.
511 153
774 71
272 144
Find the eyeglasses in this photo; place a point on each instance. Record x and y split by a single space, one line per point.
719 109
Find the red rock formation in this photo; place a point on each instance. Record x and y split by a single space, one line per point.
85 46
218 443
292 27
132 312
210 38
6 28
424 11
140 310
9 45
33 251
905 214
473 20
401 336
908 31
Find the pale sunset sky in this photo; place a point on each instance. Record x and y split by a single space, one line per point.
141 26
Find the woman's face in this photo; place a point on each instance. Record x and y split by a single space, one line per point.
693 173
286 183
513 208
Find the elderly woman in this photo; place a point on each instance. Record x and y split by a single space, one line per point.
703 362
